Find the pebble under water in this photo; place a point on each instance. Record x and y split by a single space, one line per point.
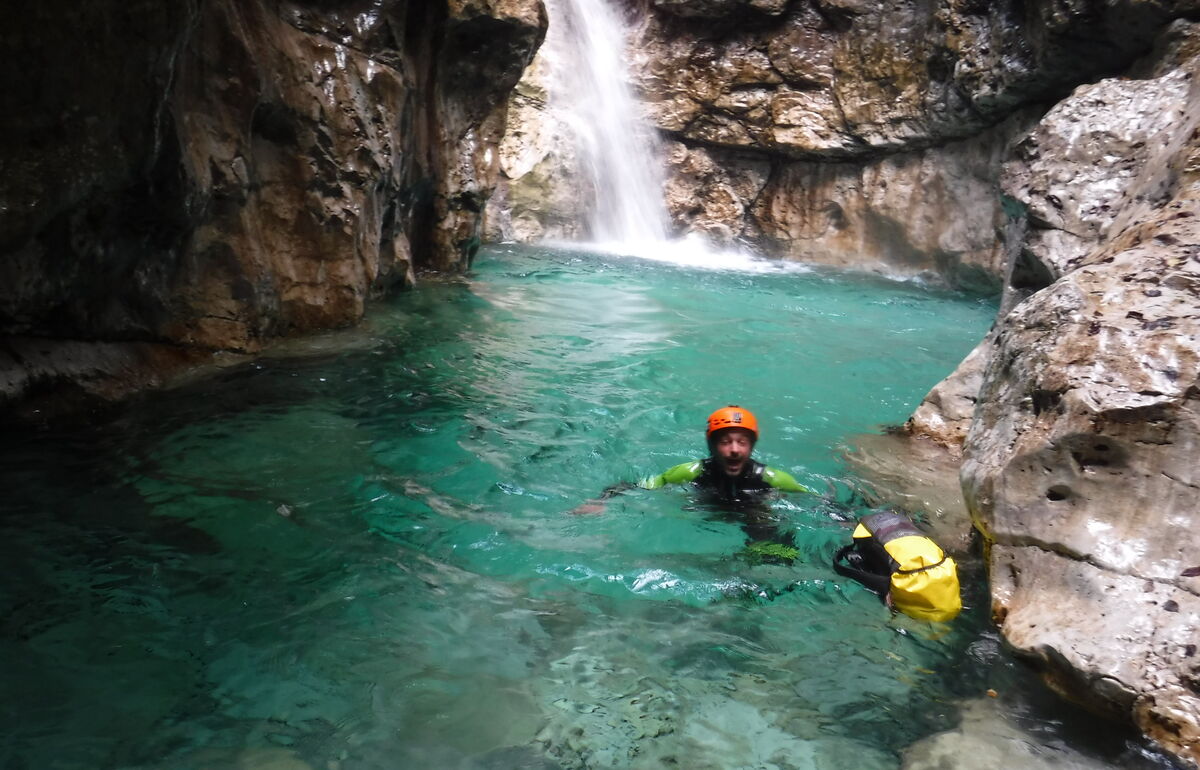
360 554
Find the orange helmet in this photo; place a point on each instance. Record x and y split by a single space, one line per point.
732 416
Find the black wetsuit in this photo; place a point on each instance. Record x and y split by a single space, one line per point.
745 487
740 499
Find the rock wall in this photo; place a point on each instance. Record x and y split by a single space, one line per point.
211 175
885 125
538 195
1080 459
848 132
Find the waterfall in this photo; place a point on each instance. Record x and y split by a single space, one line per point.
618 150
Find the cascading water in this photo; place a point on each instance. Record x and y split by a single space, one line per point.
617 148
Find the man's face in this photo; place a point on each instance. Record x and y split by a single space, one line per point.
731 448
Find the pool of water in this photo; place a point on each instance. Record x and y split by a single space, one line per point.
362 555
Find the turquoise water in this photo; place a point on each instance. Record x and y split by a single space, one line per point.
362 556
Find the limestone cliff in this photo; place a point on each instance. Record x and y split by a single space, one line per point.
848 132
883 126
182 178
1080 463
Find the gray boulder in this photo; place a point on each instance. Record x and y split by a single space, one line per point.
1080 465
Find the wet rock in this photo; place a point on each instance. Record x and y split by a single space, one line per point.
216 175
914 475
934 211
874 87
1080 463
888 92
893 75
50 380
707 192
944 415
718 8
1120 652
538 194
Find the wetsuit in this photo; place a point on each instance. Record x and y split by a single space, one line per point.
752 483
740 498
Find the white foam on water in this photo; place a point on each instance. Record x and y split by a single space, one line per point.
690 251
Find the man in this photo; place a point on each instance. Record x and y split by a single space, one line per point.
732 481
729 473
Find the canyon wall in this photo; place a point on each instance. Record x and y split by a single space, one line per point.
841 131
1080 463
184 178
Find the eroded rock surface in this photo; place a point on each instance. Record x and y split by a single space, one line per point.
891 90
538 194
850 133
817 80
944 415
1080 464
915 475
1069 213
213 175
931 211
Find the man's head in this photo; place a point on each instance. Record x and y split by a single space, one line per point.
732 432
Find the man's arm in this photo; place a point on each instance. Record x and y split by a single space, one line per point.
783 481
680 474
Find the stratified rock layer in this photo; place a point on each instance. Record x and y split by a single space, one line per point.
919 102
845 132
818 80
213 175
1081 462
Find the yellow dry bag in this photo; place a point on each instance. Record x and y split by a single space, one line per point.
893 558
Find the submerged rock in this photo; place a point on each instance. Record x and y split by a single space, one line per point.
916 476
987 739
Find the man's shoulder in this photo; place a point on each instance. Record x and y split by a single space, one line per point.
783 480
678 474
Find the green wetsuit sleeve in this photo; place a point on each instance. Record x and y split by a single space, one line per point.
680 474
783 481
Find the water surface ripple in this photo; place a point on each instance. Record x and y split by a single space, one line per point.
360 556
